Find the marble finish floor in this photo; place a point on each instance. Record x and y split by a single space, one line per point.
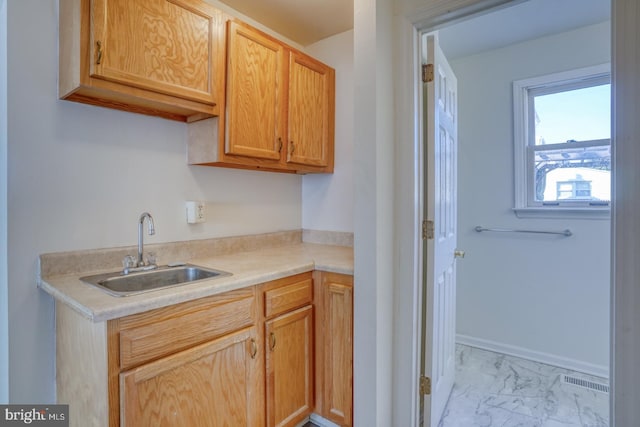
493 389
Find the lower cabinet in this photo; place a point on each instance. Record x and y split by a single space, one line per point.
263 356
209 385
290 368
191 364
334 342
289 349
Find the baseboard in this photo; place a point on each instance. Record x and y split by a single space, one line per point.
322 422
536 356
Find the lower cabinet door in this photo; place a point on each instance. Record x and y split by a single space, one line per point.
338 349
289 341
213 384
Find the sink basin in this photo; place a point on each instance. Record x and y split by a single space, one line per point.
135 283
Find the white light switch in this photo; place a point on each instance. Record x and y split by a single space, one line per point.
196 212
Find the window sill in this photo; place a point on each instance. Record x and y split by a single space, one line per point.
564 213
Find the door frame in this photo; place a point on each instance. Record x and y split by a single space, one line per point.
624 338
4 178
410 25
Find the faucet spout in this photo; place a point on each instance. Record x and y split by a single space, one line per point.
150 230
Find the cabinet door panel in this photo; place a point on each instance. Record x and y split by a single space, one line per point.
311 111
338 362
254 94
159 45
334 347
289 367
209 385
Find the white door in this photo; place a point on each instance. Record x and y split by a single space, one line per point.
440 211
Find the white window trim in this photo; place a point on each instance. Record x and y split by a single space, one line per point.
521 132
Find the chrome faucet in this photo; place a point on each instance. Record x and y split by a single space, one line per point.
130 264
151 230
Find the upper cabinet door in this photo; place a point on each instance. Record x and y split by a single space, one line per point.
311 111
159 45
255 89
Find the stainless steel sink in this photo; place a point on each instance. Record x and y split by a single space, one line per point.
119 285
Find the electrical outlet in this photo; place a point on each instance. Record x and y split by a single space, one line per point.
196 212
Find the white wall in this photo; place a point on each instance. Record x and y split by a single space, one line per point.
4 315
79 177
537 293
373 212
327 199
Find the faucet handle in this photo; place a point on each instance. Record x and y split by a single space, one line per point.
128 262
151 258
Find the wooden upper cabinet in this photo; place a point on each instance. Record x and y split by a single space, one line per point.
255 94
160 45
156 57
279 109
311 112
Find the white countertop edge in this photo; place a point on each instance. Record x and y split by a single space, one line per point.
166 297
58 295
88 301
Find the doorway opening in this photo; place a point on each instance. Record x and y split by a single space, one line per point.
537 297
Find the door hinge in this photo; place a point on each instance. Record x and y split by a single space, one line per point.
427 73
425 385
427 229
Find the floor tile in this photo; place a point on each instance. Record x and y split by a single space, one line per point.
493 389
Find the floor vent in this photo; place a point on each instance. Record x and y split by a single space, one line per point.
580 382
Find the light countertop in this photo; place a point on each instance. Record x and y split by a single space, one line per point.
248 268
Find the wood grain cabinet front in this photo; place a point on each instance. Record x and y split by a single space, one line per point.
208 385
195 363
154 57
279 111
288 327
265 355
311 108
334 347
255 94
289 362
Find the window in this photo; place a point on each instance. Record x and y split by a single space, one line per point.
576 189
562 134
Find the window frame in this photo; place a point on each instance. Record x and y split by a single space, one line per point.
524 92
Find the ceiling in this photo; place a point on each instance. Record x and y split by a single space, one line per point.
525 21
308 21
302 21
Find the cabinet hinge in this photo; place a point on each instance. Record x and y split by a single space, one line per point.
427 73
427 230
425 385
